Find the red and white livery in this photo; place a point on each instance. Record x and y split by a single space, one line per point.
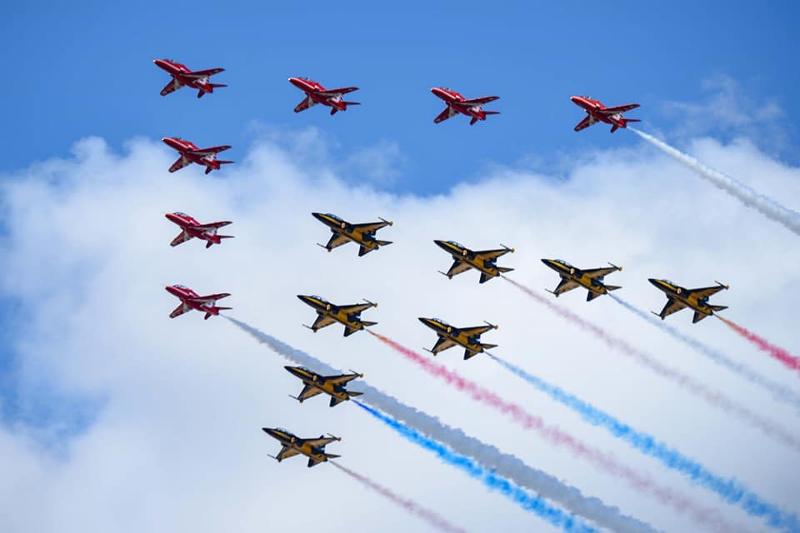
190 300
191 229
317 94
183 76
596 111
190 153
456 103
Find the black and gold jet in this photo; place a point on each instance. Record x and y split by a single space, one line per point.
344 232
483 260
292 445
449 336
590 279
315 384
696 299
347 315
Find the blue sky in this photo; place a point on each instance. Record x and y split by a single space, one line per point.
85 69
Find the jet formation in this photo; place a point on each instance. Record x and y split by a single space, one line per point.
192 229
449 336
680 297
182 76
361 234
484 261
590 279
292 445
347 315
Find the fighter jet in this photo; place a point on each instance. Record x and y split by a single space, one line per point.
347 315
697 299
292 445
464 259
181 75
596 112
190 153
191 300
191 228
456 103
317 94
590 279
344 232
315 384
449 336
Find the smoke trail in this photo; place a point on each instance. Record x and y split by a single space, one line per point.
730 490
529 502
776 352
556 436
686 382
503 464
763 204
429 516
779 391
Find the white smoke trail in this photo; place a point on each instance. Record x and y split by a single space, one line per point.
763 204
503 464
778 391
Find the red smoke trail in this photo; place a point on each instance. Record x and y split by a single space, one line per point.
687 382
557 436
429 516
776 352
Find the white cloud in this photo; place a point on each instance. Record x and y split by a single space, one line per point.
177 444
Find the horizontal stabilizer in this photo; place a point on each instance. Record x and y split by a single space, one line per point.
718 307
351 103
366 323
491 112
487 346
612 287
504 269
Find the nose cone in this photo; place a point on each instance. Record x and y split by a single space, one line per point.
441 244
172 216
269 431
548 262
426 321
575 99
292 370
171 289
654 281
318 216
297 82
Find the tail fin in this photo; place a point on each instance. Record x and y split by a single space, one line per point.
383 243
487 346
473 121
334 110
367 323
612 287
217 239
354 393
718 307
363 250
504 269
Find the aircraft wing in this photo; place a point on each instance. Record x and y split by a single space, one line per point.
355 308
308 392
336 240
322 321
178 311
210 298
179 164
618 109
210 150
214 225
341 380
477 330
370 226
320 442
492 254
596 273
203 73
565 285
171 87
480 101
341 90
180 239
304 104
585 123
705 292
286 452
672 306
444 115
457 268
442 344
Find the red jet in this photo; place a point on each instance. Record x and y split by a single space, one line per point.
190 153
181 75
317 94
456 103
191 229
191 300
597 112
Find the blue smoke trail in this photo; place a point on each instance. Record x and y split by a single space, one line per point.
730 490
527 501
779 391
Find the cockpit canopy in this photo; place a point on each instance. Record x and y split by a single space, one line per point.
334 217
457 244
